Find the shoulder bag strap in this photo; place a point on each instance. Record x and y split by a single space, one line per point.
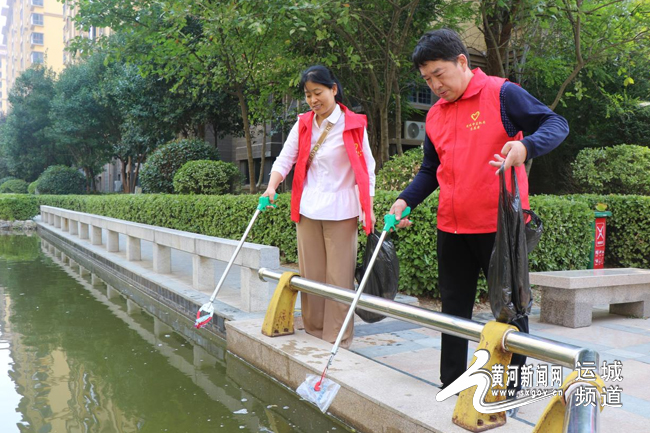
321 139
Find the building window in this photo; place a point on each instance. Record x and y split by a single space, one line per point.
37 57
37 19
37 2
37 38
421 95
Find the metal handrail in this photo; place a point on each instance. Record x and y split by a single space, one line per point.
578 418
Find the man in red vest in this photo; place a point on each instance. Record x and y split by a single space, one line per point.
474 128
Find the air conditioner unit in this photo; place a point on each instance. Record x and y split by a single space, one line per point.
414 130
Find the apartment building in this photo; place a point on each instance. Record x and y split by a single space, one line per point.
32 34
71 31
3 80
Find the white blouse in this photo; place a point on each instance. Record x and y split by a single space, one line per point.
330 191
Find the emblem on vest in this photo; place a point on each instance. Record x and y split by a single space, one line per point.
358 149
476 123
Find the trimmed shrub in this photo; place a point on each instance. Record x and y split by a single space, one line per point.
14 186
622 169
59 179
565 245
18 207
5 179
397 173
157 174
207 177
628 232
32 187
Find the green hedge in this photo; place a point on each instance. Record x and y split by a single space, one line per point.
621 169
157 174
14 186
628 231
18 207
61 179
399 171
565 244
207 177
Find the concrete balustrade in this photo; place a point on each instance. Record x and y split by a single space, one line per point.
204 250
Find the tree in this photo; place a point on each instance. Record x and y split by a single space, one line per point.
143 122
81 120
371 43
230 46
27 141
557 40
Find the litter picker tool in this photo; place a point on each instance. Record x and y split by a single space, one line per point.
321 391
208 308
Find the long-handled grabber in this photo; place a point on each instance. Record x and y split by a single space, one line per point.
321 391
208 308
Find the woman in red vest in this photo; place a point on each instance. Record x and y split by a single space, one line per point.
333 186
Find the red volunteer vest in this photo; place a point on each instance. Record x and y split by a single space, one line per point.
466 134
355 125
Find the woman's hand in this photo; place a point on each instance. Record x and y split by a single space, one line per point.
270 193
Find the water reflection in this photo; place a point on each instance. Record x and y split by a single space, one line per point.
83 359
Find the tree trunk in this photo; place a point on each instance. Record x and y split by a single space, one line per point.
398 117
249 141
87 174
123 169
261 178
383 121
137 173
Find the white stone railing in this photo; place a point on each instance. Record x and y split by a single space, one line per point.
204 249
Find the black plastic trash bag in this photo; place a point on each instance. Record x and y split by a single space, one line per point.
383 278
508 284
534 229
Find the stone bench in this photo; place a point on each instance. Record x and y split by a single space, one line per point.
568 297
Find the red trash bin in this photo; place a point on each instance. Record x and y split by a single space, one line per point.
598 247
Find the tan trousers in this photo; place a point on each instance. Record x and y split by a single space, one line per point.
327 253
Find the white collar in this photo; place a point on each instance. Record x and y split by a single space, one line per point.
332 118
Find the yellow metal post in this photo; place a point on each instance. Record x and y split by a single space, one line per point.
279 315
552 420
464 413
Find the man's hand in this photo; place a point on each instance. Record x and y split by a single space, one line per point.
396 209
515 155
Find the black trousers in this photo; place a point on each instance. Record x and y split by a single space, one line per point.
460 257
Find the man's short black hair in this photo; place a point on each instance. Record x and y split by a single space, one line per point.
443 44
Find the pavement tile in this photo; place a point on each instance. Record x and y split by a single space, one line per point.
602 336
410 335
383 327
623 354
625 328
636 377
634 405
392 349
640 348
424 364
645 359
375 340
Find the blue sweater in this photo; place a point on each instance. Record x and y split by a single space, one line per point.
520 111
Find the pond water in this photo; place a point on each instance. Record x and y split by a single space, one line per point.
71 360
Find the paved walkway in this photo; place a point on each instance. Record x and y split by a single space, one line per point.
415 350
